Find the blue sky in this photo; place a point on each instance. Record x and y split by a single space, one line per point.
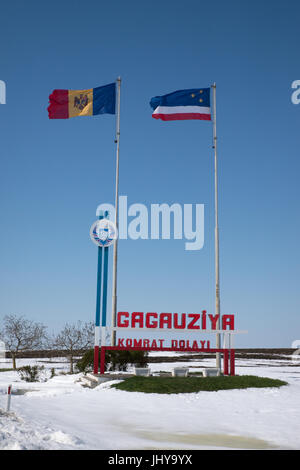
55 173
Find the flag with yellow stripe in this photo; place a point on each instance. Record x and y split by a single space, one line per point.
65 104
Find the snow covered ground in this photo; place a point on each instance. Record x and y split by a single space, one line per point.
61 414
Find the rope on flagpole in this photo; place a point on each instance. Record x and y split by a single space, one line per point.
217 267
115 252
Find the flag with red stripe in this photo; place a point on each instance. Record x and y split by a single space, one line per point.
182 104
65 104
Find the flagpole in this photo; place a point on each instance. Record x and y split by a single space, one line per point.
115 252
217 267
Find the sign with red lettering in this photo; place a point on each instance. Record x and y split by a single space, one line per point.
171 322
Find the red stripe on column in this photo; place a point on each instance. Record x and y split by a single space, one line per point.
182 116
96 359
59 104
102 360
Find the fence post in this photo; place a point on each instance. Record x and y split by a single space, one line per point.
225 359
232 362
8 398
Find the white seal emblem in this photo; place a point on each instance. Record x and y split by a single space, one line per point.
103 233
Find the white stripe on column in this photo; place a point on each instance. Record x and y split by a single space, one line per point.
97 335
181 110
103 336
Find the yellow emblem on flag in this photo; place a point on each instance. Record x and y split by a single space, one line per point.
80 102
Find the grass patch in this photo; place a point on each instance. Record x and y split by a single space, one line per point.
194 384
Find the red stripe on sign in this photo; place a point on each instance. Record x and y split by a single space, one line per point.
59 104
182 116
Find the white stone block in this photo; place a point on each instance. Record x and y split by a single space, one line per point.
142 371
213 372
180 372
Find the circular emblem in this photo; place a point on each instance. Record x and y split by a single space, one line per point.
103 232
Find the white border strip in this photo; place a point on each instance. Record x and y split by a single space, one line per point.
181 110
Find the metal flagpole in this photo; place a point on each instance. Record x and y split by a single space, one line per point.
217 269
115 252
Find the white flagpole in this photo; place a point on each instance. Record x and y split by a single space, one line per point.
115 252
217 269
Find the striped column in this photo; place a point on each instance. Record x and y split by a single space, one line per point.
102 280
98 307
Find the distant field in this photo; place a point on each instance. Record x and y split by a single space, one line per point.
262 353
272 354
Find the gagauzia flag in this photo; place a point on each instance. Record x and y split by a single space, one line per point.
65 104
182 104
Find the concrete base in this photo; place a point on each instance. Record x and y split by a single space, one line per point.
213 372
95 379
180 372
142 371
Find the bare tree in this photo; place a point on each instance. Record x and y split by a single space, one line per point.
20 334
74 337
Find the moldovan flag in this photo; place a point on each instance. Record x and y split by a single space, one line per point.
182 104
65 104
